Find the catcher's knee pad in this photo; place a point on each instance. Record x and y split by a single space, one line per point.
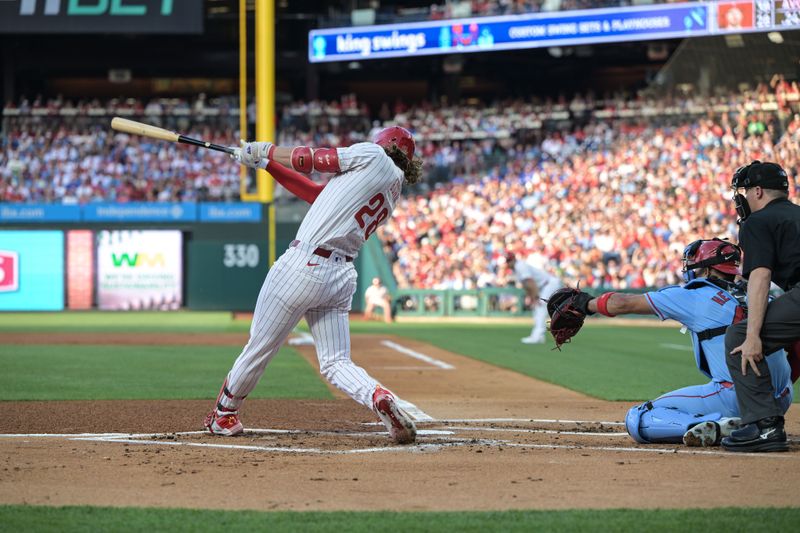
632 419
648 424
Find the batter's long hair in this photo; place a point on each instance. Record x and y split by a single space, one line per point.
412 169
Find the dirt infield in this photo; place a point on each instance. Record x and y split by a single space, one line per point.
489 439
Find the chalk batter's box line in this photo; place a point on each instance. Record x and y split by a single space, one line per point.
421 447
146 439
428 447
494 420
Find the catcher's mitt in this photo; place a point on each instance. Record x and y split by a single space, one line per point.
567 310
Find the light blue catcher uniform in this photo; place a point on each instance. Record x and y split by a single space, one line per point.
706 307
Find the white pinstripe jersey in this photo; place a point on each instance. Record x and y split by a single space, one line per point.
355 201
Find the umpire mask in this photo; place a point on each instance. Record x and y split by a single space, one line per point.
739 201
764 175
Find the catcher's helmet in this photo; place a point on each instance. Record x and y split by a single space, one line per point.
718 254
396 136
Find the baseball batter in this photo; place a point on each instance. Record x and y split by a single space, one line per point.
315 277
539 285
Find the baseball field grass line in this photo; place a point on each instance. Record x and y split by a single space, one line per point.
611 363
81 519
624 363
108 321
122 372
417 355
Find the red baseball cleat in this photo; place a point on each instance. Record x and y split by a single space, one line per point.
401 427
225 423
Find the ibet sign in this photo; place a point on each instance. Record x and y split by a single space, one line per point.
101 16
90 7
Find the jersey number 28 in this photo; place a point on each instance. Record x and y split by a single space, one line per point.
373 210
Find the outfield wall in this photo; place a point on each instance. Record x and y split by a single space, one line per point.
136 256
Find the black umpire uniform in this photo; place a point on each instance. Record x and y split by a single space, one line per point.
770 238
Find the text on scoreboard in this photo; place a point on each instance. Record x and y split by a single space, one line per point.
481 34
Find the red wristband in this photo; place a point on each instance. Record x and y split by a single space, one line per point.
303 159
326 160
270 151
602 304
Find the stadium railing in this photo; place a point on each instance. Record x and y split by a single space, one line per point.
488 302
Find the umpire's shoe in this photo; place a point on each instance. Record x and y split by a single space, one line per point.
766 435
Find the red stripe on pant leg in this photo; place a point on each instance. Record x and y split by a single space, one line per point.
685 396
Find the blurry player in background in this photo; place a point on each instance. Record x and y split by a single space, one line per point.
377 295
539 285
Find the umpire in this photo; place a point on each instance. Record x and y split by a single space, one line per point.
770 238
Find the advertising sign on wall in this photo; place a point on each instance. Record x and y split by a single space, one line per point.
101 16
31 270
9 271
139 270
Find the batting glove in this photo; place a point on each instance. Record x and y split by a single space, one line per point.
253 155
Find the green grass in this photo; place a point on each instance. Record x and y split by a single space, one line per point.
99 321
610 362
613 363
75 372
68 519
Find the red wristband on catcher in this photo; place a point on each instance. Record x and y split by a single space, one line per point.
303 159
602 304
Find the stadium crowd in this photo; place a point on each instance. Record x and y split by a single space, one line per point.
605 191
387 11
520 7
612 203
61 152
611 208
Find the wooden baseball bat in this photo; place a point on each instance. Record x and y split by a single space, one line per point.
139 128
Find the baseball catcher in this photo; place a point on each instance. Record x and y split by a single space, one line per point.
709 301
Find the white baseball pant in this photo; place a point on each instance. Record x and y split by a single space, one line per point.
540 309
299 284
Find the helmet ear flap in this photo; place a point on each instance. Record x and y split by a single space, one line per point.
688 253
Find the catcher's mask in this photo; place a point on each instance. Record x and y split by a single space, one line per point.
756 174
396 136
718 254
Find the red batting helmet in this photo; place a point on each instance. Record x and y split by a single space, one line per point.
717 254
396 136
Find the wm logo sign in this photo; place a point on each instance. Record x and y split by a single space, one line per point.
138 260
